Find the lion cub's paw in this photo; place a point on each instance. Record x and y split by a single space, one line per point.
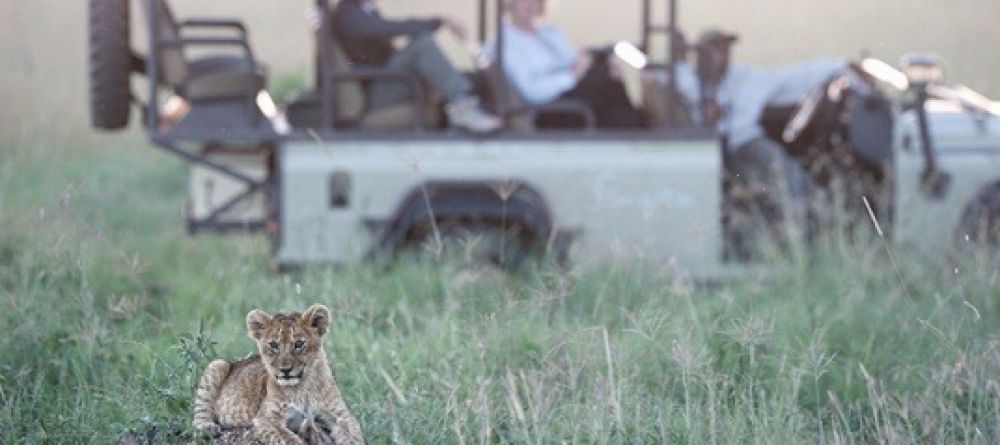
210 429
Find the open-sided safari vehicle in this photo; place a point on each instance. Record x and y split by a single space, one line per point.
341 183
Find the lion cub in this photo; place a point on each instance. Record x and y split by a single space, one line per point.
270 391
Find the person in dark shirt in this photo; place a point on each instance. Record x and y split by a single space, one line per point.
367 39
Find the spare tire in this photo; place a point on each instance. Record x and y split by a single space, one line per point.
110 64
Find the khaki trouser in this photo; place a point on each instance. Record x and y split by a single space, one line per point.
425 60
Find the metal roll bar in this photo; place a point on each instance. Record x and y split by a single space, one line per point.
325 81
153 70
672 57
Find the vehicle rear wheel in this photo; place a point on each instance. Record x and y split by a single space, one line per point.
474 242
981 221
110 64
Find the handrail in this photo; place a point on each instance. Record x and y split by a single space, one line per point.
672 58
153 70
209 41
502 87
671 31
326 88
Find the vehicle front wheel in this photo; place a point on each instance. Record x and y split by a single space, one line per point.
980 225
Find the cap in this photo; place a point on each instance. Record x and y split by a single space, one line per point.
716 35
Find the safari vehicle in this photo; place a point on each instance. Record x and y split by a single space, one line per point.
339 184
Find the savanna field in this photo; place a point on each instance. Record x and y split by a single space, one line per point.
109 310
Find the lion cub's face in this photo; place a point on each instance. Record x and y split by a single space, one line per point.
289 343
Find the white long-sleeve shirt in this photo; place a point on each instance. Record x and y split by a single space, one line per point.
539 64
745 92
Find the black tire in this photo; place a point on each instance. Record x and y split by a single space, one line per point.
474 242
110 64
980 225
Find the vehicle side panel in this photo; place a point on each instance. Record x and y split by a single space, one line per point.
622 200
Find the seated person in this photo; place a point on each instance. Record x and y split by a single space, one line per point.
543 66
366 38
732 98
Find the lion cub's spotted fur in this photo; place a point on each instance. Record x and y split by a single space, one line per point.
285 395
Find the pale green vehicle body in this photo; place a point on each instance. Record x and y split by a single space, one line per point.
621 198
629 199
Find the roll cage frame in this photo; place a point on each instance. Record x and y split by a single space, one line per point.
325 80
179 144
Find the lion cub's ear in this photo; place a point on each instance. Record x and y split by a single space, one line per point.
317 317
257 322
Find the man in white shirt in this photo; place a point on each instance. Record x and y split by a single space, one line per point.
773 186
544 66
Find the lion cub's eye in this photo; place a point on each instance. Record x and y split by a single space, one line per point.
273 345
299 345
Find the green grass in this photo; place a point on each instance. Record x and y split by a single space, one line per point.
109 311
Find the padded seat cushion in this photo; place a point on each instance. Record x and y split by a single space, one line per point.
223 77
350 94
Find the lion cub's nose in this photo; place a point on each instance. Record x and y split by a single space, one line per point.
285 369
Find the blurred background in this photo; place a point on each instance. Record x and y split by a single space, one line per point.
43 42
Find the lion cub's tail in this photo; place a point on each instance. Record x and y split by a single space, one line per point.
208 391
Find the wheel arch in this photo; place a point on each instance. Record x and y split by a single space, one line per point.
513 201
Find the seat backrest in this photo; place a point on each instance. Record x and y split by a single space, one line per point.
350 95
351 100
506 97
171 60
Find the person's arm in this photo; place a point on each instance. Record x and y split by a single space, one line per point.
689 87
532 70
354 23
743 99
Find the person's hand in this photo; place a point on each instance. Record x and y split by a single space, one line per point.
711 113
583 63
456 28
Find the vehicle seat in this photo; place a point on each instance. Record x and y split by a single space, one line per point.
223 76
350 96
205 78
351 100
521 117
350 105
